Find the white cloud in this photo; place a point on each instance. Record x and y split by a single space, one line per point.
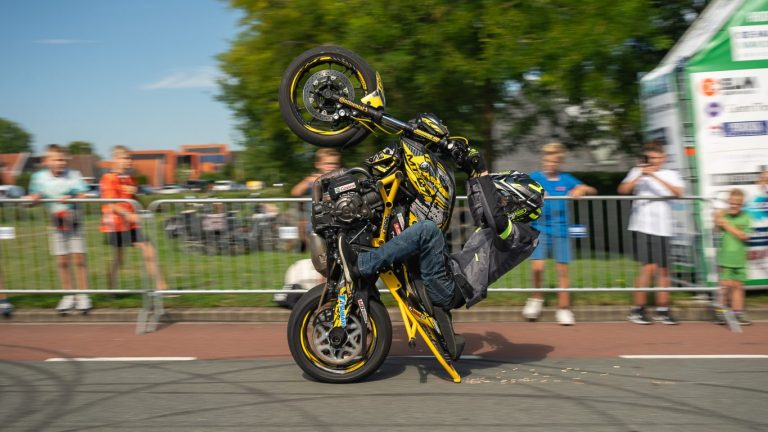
63 41
199 77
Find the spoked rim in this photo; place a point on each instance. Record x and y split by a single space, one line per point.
311 92
336 358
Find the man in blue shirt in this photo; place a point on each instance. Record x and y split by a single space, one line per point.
553 224
67 237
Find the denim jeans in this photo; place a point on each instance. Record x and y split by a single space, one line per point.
425 239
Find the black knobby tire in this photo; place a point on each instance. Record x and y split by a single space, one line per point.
304 117
307 353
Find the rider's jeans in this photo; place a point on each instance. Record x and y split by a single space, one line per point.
425 239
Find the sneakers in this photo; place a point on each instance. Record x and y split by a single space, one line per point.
565 317
445 325
532 309
83 303
664 317
80 302
349 259
6 308
720 317
638 316
66 304
742 319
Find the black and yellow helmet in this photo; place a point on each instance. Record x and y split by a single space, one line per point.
524 196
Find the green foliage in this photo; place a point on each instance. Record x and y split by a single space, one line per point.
474 63
13 138
80 147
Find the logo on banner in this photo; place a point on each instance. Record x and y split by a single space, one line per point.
714 109
745 128
729 86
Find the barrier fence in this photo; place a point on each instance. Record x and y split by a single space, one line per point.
214 245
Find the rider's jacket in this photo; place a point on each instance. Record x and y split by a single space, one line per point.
496 247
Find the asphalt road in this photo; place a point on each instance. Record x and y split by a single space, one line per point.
519 376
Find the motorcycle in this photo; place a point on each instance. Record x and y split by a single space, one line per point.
338 332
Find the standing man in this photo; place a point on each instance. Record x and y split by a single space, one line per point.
67 240
553 225
651 222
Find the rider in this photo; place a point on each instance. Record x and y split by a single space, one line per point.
501 205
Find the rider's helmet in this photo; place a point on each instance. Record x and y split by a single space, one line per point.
522 197
429 122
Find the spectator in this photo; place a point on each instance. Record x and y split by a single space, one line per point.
57 182
553 225
651 222
119 220
326 160
732 255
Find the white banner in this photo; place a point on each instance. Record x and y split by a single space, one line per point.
731 118
749 43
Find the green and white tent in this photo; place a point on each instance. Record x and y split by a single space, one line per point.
708 101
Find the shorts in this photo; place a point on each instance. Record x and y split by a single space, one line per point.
733 273
124 238
67 242
651 249
556 247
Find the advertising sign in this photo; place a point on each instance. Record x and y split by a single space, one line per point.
731 127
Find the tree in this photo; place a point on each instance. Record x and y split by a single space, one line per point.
13 138
474 63
80 147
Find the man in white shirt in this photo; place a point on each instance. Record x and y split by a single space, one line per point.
651 222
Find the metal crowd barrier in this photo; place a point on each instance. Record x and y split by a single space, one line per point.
223 246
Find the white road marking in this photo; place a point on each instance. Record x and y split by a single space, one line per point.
119 359
705 356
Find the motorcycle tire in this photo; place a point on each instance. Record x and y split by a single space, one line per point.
308 339
311 119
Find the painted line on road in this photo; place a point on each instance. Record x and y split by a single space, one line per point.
119 359
706 356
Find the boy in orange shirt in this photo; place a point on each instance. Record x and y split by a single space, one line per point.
119 220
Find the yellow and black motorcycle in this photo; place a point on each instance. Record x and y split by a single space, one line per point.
338 332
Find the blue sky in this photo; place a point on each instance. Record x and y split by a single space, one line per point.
139 73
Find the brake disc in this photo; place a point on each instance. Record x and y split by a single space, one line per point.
319 89
333 353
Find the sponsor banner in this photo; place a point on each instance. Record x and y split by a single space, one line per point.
731 127
749 43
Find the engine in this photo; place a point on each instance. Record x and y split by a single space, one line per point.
342 199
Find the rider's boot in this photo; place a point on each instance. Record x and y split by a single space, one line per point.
445 325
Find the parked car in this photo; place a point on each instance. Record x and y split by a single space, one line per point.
170 190
197 185
11 191
227 185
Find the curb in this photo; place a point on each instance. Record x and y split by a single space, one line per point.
280 315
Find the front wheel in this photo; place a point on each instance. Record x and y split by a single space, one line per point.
306 95
332 357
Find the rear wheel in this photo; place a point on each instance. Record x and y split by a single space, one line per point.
337 355
305 95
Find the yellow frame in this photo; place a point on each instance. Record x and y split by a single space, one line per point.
412 319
